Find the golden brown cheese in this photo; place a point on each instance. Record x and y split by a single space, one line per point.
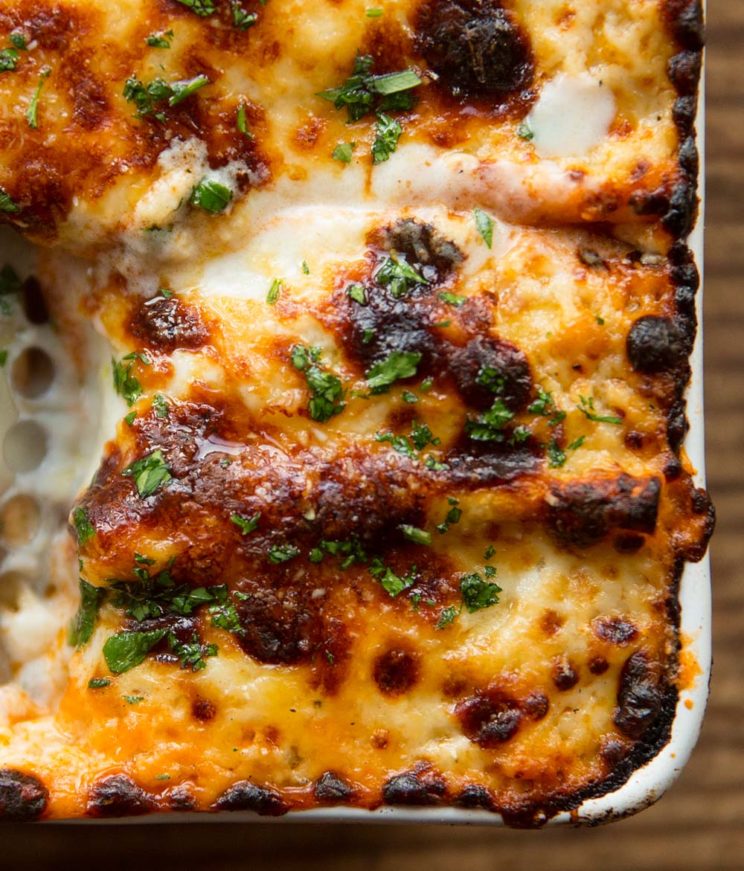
396 504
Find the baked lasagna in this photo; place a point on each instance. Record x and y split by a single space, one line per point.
346 357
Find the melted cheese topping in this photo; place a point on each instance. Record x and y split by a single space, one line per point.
388 504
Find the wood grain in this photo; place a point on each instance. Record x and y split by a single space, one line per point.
700 823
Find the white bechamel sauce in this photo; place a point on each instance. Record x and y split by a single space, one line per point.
572 115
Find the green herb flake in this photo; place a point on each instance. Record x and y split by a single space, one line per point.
397 366
326 389
409 397
9 58
452 299
387 134
373 12
600 320
398 276
344 152
193 654
98 683
203 8
7 204
83 527
149 473
556 456
587 409
33 106
160 406
283 553
3 358
489 426
130 418
416 535
241 122
391 582
183 89
246 524
241 18
18 40
478 593
84 621
274 291
211 196
484 224
447 616
524 131
489 553
126 650
125 383
133 700
160 39
357 292
577 443
305 268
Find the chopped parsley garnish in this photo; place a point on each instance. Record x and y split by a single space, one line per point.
149 473
587 409
416 535
84 621
398 276
600 320
272 296
491 378
283 553
203 8
524 131
7 204
133 700
160 39
130 418
556 455
326 390
373 12
357 292
344 151
478 593
160 406
452 299
397 366
225 614
447 616
489 426
392 583
577 443
246 524
241 122
545 407
363 92
305 268
240 18
484 225
489 552
125 650
387 133
3 358
83 527
18 40
192 654
152 98
33 106
125 384
98 683
348 552
211 196
8 60
409 397
421 436
454 514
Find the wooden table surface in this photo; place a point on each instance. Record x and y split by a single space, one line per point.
700 823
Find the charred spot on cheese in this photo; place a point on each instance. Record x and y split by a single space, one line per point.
582 513
396 671
475 797
118 796
598 665
490 717
421 786
535 705
423 246
685 21
475 47
248 796
640 695
564 674
330 788
487 367
655 344
166 323
23 797
615 630
473 464
203 710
